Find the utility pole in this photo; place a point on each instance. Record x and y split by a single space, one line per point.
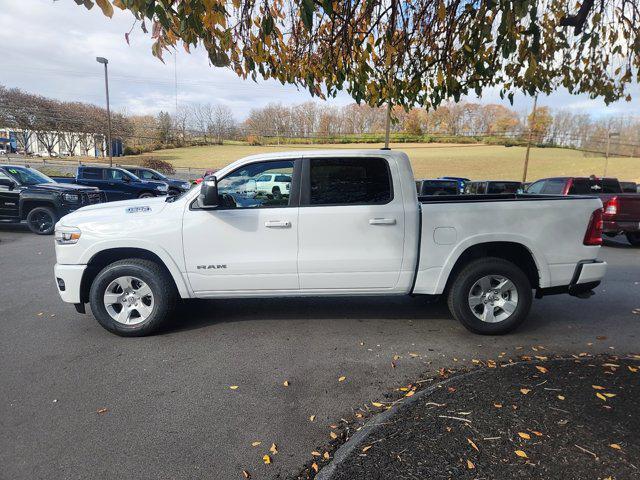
104 61
606 157
387 128
526 157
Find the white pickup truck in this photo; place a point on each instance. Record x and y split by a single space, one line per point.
351 225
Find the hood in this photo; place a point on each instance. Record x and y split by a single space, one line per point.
115 213
61 187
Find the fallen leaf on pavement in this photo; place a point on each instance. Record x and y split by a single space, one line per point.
266 459
325 455
632 369
366 448
541 369
497 405
524 391
255 444
273 449
526 436
410 394
521 454
609 395
314 465
475 447
312 418
601 397
538 434
470 465
233 387
597 387
102 410
560 397
342 378
333 435
377 404
616 446
286 383
316 454
246 474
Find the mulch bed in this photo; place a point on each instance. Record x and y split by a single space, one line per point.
576 418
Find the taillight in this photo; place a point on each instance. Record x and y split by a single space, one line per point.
593 235
611 207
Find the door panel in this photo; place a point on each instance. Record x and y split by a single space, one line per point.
354 246
9 200
249 243
241 249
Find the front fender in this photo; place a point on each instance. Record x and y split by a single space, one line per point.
160 252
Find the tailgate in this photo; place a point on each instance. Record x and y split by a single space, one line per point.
628 208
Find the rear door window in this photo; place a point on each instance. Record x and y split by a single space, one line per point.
92 173
554 187
349 181
580 186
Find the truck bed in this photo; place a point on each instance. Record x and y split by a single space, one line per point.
551 227
501 197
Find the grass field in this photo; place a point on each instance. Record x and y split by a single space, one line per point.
432 160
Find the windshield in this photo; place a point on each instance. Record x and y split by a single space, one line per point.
151 174
28 176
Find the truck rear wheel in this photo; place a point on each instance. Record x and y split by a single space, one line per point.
633 238
132 297
42 220
490 296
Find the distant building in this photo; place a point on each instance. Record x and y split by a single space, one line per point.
61 143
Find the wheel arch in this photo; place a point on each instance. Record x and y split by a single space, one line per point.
29 204
102 258
514 252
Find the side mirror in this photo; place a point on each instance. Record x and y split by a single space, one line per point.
208 197
7 182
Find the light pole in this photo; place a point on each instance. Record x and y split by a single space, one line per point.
104 61
606 157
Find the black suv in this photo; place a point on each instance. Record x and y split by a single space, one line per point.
176 187
29 195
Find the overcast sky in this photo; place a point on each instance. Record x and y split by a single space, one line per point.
49 47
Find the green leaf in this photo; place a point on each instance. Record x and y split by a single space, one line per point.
306 12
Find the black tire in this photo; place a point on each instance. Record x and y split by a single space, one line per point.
162 288
633 238
42 220
458 299
146 195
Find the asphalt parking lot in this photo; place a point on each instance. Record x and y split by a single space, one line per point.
166 407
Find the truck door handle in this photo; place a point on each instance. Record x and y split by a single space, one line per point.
277 224
382 221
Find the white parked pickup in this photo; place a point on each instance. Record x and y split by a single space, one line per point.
351 225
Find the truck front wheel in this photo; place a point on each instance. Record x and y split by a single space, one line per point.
42 220
490 296
132 297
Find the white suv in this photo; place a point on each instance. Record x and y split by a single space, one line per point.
275 183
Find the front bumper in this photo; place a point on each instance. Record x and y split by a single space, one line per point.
586 276
68 280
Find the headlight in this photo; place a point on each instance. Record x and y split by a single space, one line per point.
71 197
67 235
163 188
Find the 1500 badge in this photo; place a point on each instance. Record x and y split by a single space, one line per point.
210 267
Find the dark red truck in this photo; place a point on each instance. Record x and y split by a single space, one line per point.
621 213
